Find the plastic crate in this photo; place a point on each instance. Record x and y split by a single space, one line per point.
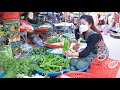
75 74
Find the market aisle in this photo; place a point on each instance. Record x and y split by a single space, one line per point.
114 48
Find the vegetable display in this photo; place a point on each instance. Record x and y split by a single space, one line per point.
69 37
46 62
53 40
51 63
13 67
37 51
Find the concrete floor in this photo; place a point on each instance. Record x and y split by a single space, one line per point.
114 48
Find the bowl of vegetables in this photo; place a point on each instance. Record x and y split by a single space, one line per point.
53 42
51 64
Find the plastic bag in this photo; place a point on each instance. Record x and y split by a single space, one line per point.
37 40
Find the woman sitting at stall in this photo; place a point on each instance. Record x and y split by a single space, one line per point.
94 40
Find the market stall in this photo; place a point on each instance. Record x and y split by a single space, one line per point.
44 55
64 27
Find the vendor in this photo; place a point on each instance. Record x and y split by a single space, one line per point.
94 40
11 25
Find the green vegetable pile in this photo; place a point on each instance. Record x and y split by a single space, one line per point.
51 63
53 40
37 51
69 37
13 67
46 62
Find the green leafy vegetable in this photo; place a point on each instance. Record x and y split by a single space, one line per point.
53 40
65 47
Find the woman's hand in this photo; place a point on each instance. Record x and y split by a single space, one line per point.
68 53
71 54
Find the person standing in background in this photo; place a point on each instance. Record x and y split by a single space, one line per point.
111 19
11 25
116 18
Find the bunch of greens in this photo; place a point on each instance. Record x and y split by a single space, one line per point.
13 67
40 50
53 40
66 45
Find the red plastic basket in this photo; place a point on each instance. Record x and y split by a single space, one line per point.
75 74
101 62
107 68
